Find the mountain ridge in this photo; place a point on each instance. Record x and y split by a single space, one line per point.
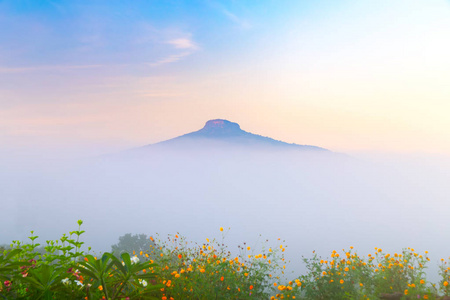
221 132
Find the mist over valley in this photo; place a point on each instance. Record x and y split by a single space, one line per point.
312 198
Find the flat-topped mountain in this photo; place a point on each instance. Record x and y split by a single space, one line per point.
221 133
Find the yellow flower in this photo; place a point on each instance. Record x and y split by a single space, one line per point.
445 283
248 248
221 228
341 281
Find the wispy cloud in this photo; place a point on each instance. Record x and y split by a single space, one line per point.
231 15
244 24
12 70
170 59
183 43
162 95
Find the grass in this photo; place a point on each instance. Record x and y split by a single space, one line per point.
178 269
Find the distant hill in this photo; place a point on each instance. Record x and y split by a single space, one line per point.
220 133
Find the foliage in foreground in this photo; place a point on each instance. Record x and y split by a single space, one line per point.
177 269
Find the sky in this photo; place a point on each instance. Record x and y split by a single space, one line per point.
95 76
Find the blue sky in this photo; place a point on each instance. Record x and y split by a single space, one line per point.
115 74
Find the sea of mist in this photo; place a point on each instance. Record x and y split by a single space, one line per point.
313 201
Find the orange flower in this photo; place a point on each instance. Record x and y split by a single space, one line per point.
221 278
100 288
180 256
251 287
86 259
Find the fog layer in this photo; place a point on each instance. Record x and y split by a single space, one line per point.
314 201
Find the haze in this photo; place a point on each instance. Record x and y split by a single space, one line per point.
314 201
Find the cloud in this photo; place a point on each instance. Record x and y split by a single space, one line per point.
162 95
183 43
235 19
170 59
12 70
